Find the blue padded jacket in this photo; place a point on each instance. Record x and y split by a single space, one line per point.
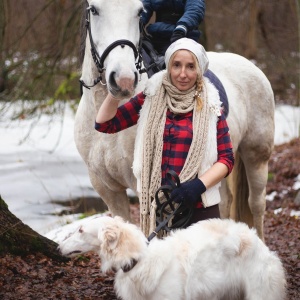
171 15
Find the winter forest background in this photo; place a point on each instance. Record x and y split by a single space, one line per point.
40 45
42 177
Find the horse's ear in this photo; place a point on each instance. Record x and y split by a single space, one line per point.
110 236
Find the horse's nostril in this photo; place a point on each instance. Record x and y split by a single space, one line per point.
112 80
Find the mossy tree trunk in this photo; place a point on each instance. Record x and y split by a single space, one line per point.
19 239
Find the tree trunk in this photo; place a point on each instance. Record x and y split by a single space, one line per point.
19 239
252 38
2 31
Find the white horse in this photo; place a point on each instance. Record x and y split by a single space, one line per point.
113 33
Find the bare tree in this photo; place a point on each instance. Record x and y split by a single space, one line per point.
2 32
252 31
41 61
265 31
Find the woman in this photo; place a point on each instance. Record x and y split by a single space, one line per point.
181 127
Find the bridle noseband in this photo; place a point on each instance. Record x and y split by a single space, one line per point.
99 60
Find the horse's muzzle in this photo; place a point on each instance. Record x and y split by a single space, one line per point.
122 86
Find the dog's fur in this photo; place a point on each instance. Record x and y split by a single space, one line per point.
211 260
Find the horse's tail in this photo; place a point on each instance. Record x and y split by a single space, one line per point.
240 210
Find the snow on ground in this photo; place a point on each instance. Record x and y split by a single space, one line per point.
287 123
47 167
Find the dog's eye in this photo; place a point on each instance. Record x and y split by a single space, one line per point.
80 230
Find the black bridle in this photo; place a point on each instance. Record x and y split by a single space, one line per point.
99 60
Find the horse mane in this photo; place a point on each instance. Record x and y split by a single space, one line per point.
83 31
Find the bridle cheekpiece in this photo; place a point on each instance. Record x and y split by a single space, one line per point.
99 59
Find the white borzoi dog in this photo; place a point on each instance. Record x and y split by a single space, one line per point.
210 260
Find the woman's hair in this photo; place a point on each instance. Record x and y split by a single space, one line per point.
199 88
199 81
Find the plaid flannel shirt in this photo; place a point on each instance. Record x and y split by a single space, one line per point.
178 134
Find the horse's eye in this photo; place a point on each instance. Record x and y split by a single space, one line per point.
93 10
140 12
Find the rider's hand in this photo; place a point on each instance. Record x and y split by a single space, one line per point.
177 34
189 192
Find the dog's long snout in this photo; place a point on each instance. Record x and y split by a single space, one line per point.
69 254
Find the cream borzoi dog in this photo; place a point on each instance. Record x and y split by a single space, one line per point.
211 260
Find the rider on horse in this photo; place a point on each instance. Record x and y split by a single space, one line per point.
174 20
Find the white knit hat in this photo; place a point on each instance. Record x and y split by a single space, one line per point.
191 45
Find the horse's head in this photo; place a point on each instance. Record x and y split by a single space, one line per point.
113 32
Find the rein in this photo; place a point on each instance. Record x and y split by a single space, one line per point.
99 60
167 210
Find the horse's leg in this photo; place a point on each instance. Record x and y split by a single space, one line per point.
240 210
226 198
250 180
257 174
116 200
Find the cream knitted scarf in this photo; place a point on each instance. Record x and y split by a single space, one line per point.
169 97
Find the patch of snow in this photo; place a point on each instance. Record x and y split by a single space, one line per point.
271 196
277 211
296 185
287 123
295 213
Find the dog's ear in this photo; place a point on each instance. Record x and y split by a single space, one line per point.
109 236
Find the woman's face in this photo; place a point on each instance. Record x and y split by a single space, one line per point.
183 70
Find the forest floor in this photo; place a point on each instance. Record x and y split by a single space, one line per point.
38 277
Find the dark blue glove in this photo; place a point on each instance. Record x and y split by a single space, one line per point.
188 192
177 34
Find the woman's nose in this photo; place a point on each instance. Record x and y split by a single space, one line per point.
183 72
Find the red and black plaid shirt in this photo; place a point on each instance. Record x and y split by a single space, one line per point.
177 136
